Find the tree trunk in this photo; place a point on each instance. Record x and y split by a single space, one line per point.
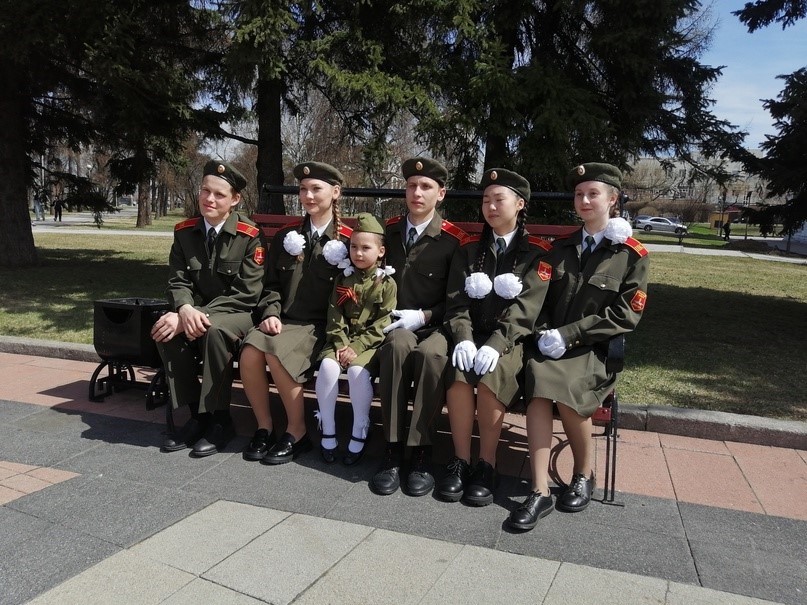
143 203
16 239
270 145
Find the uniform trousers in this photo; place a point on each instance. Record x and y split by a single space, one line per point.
412 365
215 351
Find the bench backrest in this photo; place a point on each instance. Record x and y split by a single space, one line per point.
272 223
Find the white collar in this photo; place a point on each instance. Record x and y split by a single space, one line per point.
218 227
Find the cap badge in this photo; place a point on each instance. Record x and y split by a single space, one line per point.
221 169
306 170
581 170
419 166
494 175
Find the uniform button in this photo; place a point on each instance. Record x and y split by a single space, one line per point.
188 268
229 270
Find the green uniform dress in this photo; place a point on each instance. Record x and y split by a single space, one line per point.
297 291
587 307
498 322
358 312
413 363
227 286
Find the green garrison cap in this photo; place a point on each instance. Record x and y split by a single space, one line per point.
320 171
226 171
425 167
367 223
509 179
594 171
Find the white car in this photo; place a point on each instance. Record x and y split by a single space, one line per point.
658 223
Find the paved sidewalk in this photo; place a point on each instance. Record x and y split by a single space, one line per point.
92 512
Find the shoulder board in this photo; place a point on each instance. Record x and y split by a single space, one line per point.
345 231
471 239
636 246
247 229
191 222
452 229
540 242
292 224
394 219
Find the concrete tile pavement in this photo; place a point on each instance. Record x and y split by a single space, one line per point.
700 517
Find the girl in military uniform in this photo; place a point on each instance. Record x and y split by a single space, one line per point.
301 270
496 289
598 290
360 309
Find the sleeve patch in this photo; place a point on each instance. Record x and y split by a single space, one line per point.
638 301
544 271
260 255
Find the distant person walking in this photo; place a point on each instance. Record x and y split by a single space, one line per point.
57 210
726 230
39 210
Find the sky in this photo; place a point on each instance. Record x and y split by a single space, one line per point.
752 62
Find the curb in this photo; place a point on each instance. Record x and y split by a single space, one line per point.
700 424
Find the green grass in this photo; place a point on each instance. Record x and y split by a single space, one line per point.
719 333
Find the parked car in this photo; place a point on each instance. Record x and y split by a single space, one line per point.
639 217
659 223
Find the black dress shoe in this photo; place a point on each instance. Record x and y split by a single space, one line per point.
287 449
481 484
535 507
386 481
215 440
260 444
352 458
577 495
328 454
452 485
419 481
187 436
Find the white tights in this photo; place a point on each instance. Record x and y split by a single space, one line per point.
361 398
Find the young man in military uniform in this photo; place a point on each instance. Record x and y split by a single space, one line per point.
217 271
420 246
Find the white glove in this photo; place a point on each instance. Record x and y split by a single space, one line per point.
551 344
486 360
463 356
410 319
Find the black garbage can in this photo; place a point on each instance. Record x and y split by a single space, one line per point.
122 330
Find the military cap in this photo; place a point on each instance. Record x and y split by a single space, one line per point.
594 171
320 171
425 167
367 223
226 171
509 179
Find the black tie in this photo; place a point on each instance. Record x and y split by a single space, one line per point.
589 248
211 240
314 238
501 246
410 241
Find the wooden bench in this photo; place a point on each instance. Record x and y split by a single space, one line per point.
606 415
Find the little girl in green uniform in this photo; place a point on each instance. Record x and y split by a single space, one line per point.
360 308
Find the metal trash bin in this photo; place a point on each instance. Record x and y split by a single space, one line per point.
122 330
122 338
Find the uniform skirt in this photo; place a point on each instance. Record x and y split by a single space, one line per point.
503 381
297 347
577 380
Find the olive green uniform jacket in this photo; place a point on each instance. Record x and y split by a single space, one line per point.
500 323
227 286
589 306
358 312
413 364
297 291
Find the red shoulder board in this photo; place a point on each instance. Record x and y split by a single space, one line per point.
345 231
247 229
393 220
191 222
636 246
471 239
452 229
540 242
